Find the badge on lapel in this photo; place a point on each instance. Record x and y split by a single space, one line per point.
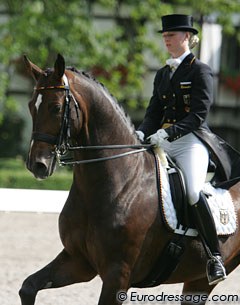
186 87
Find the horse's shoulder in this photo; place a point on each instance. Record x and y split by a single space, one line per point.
235 194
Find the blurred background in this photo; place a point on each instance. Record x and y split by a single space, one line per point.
117 42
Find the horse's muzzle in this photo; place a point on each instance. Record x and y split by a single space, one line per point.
41 167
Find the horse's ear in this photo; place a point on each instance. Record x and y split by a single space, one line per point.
34 70
59 66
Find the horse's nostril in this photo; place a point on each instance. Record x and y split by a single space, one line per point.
40 170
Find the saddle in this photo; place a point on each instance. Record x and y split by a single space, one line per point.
179 193
177 211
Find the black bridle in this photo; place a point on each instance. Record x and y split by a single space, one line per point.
62 140
65 127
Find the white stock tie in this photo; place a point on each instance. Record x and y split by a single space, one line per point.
173 63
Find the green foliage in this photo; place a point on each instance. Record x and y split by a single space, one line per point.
11 123
13 174
114 52
10 131
42 28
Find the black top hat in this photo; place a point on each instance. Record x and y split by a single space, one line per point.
177 23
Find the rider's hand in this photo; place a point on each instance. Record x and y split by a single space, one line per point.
140 135
158 138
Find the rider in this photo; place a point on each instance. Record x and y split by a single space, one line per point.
176 121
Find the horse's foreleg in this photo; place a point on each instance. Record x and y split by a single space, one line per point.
196 292
115 285
62 271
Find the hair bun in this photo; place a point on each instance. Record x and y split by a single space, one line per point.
194 40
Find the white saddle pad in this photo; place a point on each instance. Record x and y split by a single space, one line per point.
219 200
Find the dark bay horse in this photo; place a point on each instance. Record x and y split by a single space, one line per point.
111 224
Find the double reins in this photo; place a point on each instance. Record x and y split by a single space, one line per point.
137 149
62 140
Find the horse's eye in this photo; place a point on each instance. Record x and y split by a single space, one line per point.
55 109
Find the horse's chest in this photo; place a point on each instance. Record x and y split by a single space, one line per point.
73 231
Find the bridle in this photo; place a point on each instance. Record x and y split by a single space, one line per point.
62 140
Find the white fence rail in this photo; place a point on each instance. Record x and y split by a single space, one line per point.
40 201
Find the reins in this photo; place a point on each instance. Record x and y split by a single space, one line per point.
61 141
70 162
110 147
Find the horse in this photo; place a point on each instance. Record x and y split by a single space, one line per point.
111 224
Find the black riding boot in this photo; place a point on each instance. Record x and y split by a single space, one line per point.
207 230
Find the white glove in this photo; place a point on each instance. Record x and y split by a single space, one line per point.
140 135
158 138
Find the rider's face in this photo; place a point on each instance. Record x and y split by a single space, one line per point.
176 42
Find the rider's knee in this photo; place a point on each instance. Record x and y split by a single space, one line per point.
193 197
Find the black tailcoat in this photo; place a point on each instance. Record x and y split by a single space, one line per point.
181 104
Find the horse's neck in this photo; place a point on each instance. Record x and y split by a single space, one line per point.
107 125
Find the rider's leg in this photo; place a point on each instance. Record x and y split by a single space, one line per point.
193 158
206 227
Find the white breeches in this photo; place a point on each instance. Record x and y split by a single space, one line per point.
192 157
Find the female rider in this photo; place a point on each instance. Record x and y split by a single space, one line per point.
175 119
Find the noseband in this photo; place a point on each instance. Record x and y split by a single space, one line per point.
62 140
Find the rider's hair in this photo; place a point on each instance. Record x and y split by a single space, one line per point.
193 41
